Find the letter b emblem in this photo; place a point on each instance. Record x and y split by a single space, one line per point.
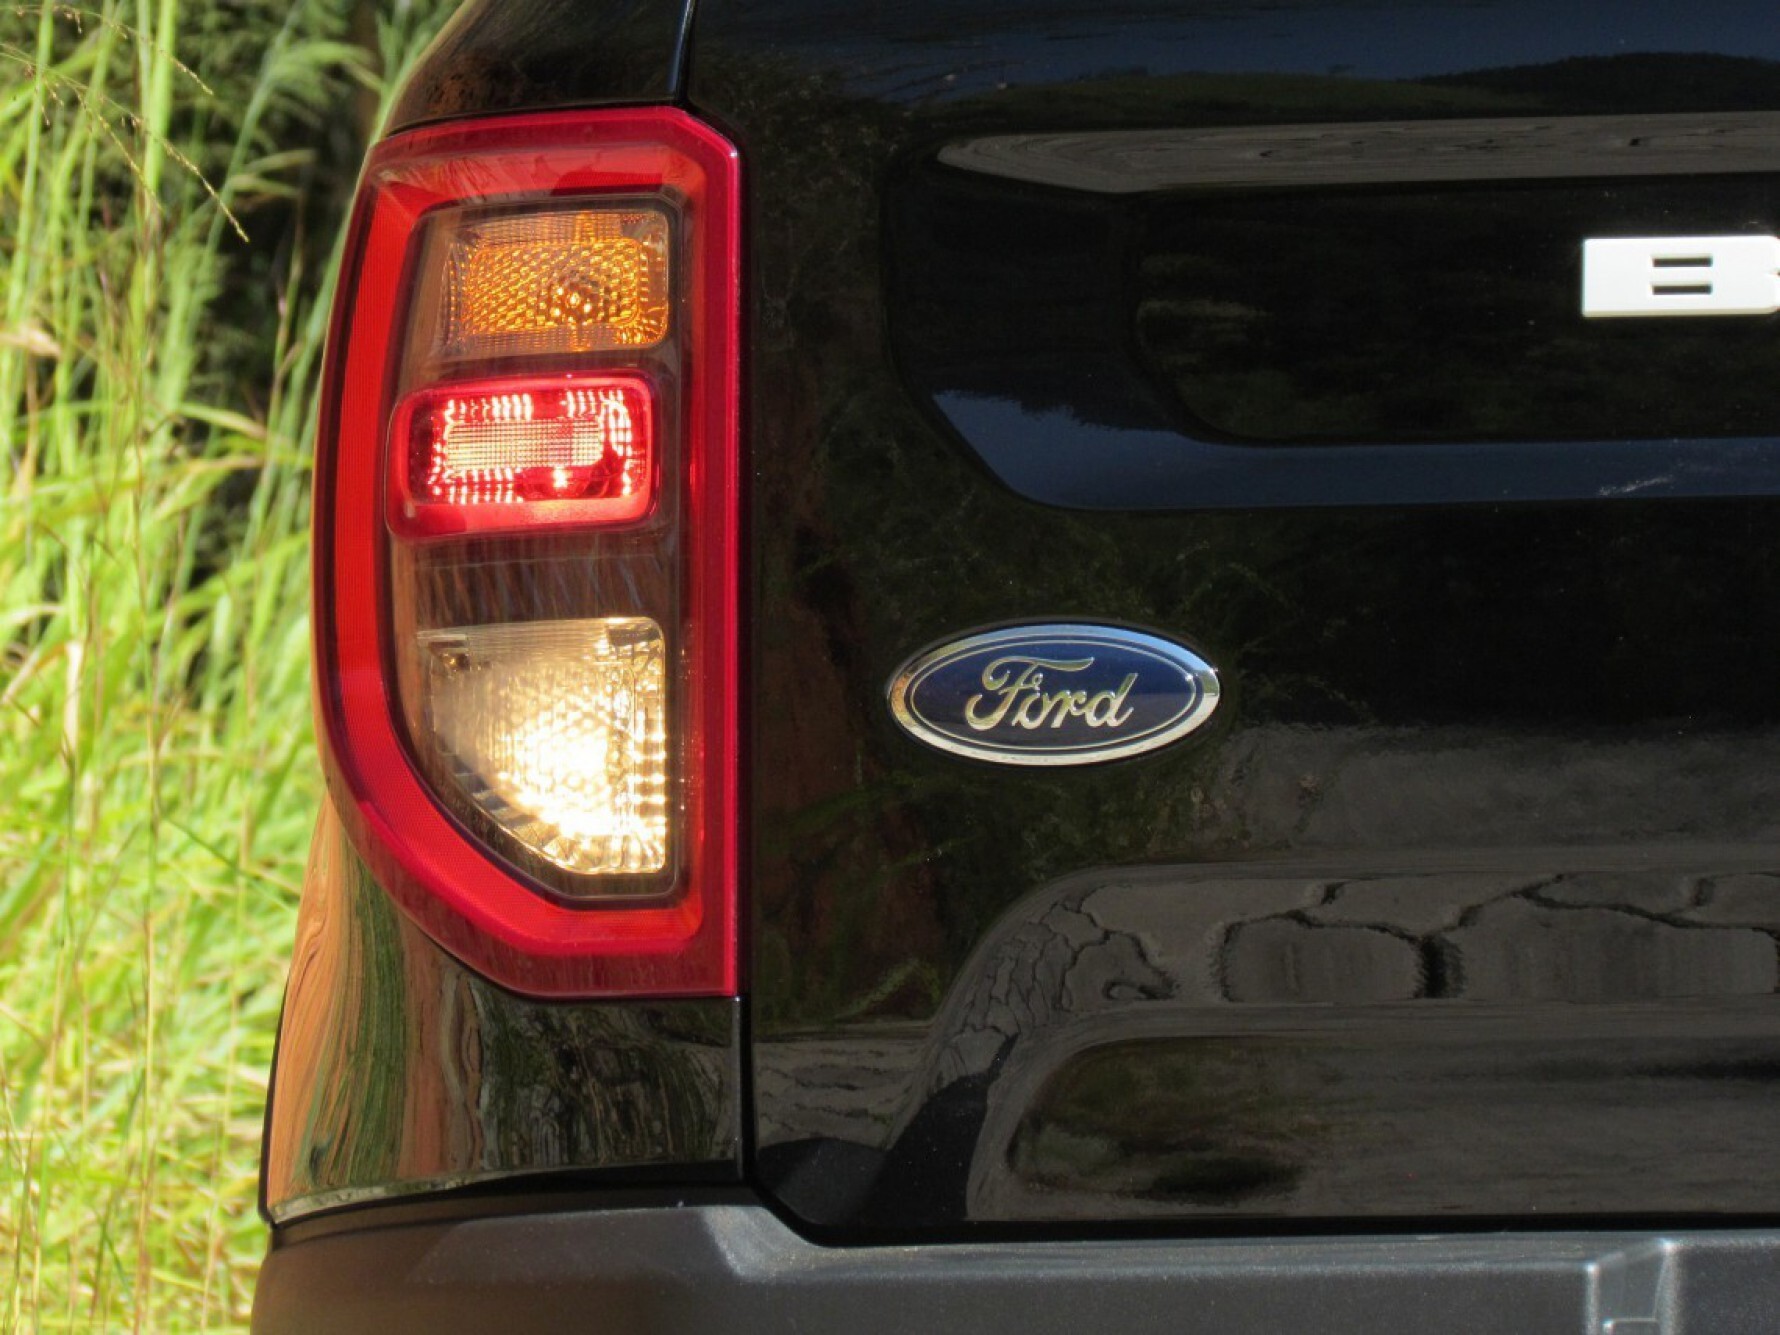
1681 275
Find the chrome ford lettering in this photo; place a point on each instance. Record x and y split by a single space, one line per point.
1067 694
1100 710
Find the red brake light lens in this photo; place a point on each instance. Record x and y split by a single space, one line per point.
527 547
494 456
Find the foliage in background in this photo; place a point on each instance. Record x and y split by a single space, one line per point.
172 178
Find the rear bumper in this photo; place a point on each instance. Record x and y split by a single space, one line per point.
737 1268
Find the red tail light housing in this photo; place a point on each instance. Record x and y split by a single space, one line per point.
527 547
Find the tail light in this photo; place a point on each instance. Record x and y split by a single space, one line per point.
527 546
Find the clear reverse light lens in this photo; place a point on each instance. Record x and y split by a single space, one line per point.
557 731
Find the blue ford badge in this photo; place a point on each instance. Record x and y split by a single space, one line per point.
1054 695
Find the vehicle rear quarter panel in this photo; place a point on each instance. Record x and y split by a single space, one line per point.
495 56
401 1072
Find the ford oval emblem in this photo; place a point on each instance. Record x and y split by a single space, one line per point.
1054 695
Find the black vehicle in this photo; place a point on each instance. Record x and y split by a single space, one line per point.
1028 667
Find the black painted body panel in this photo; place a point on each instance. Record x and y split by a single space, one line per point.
1384 343
496 56
1464 905
402 1073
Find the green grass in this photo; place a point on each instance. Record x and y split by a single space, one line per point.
172 174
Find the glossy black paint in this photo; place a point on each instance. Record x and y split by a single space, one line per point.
1465 903
401 1073
496 56
1326 344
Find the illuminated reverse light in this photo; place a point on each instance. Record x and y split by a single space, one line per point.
557 731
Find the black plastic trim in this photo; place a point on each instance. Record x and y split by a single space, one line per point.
738 1268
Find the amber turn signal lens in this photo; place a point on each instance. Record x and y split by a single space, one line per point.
562 281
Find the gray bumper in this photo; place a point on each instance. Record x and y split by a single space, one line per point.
737 1268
